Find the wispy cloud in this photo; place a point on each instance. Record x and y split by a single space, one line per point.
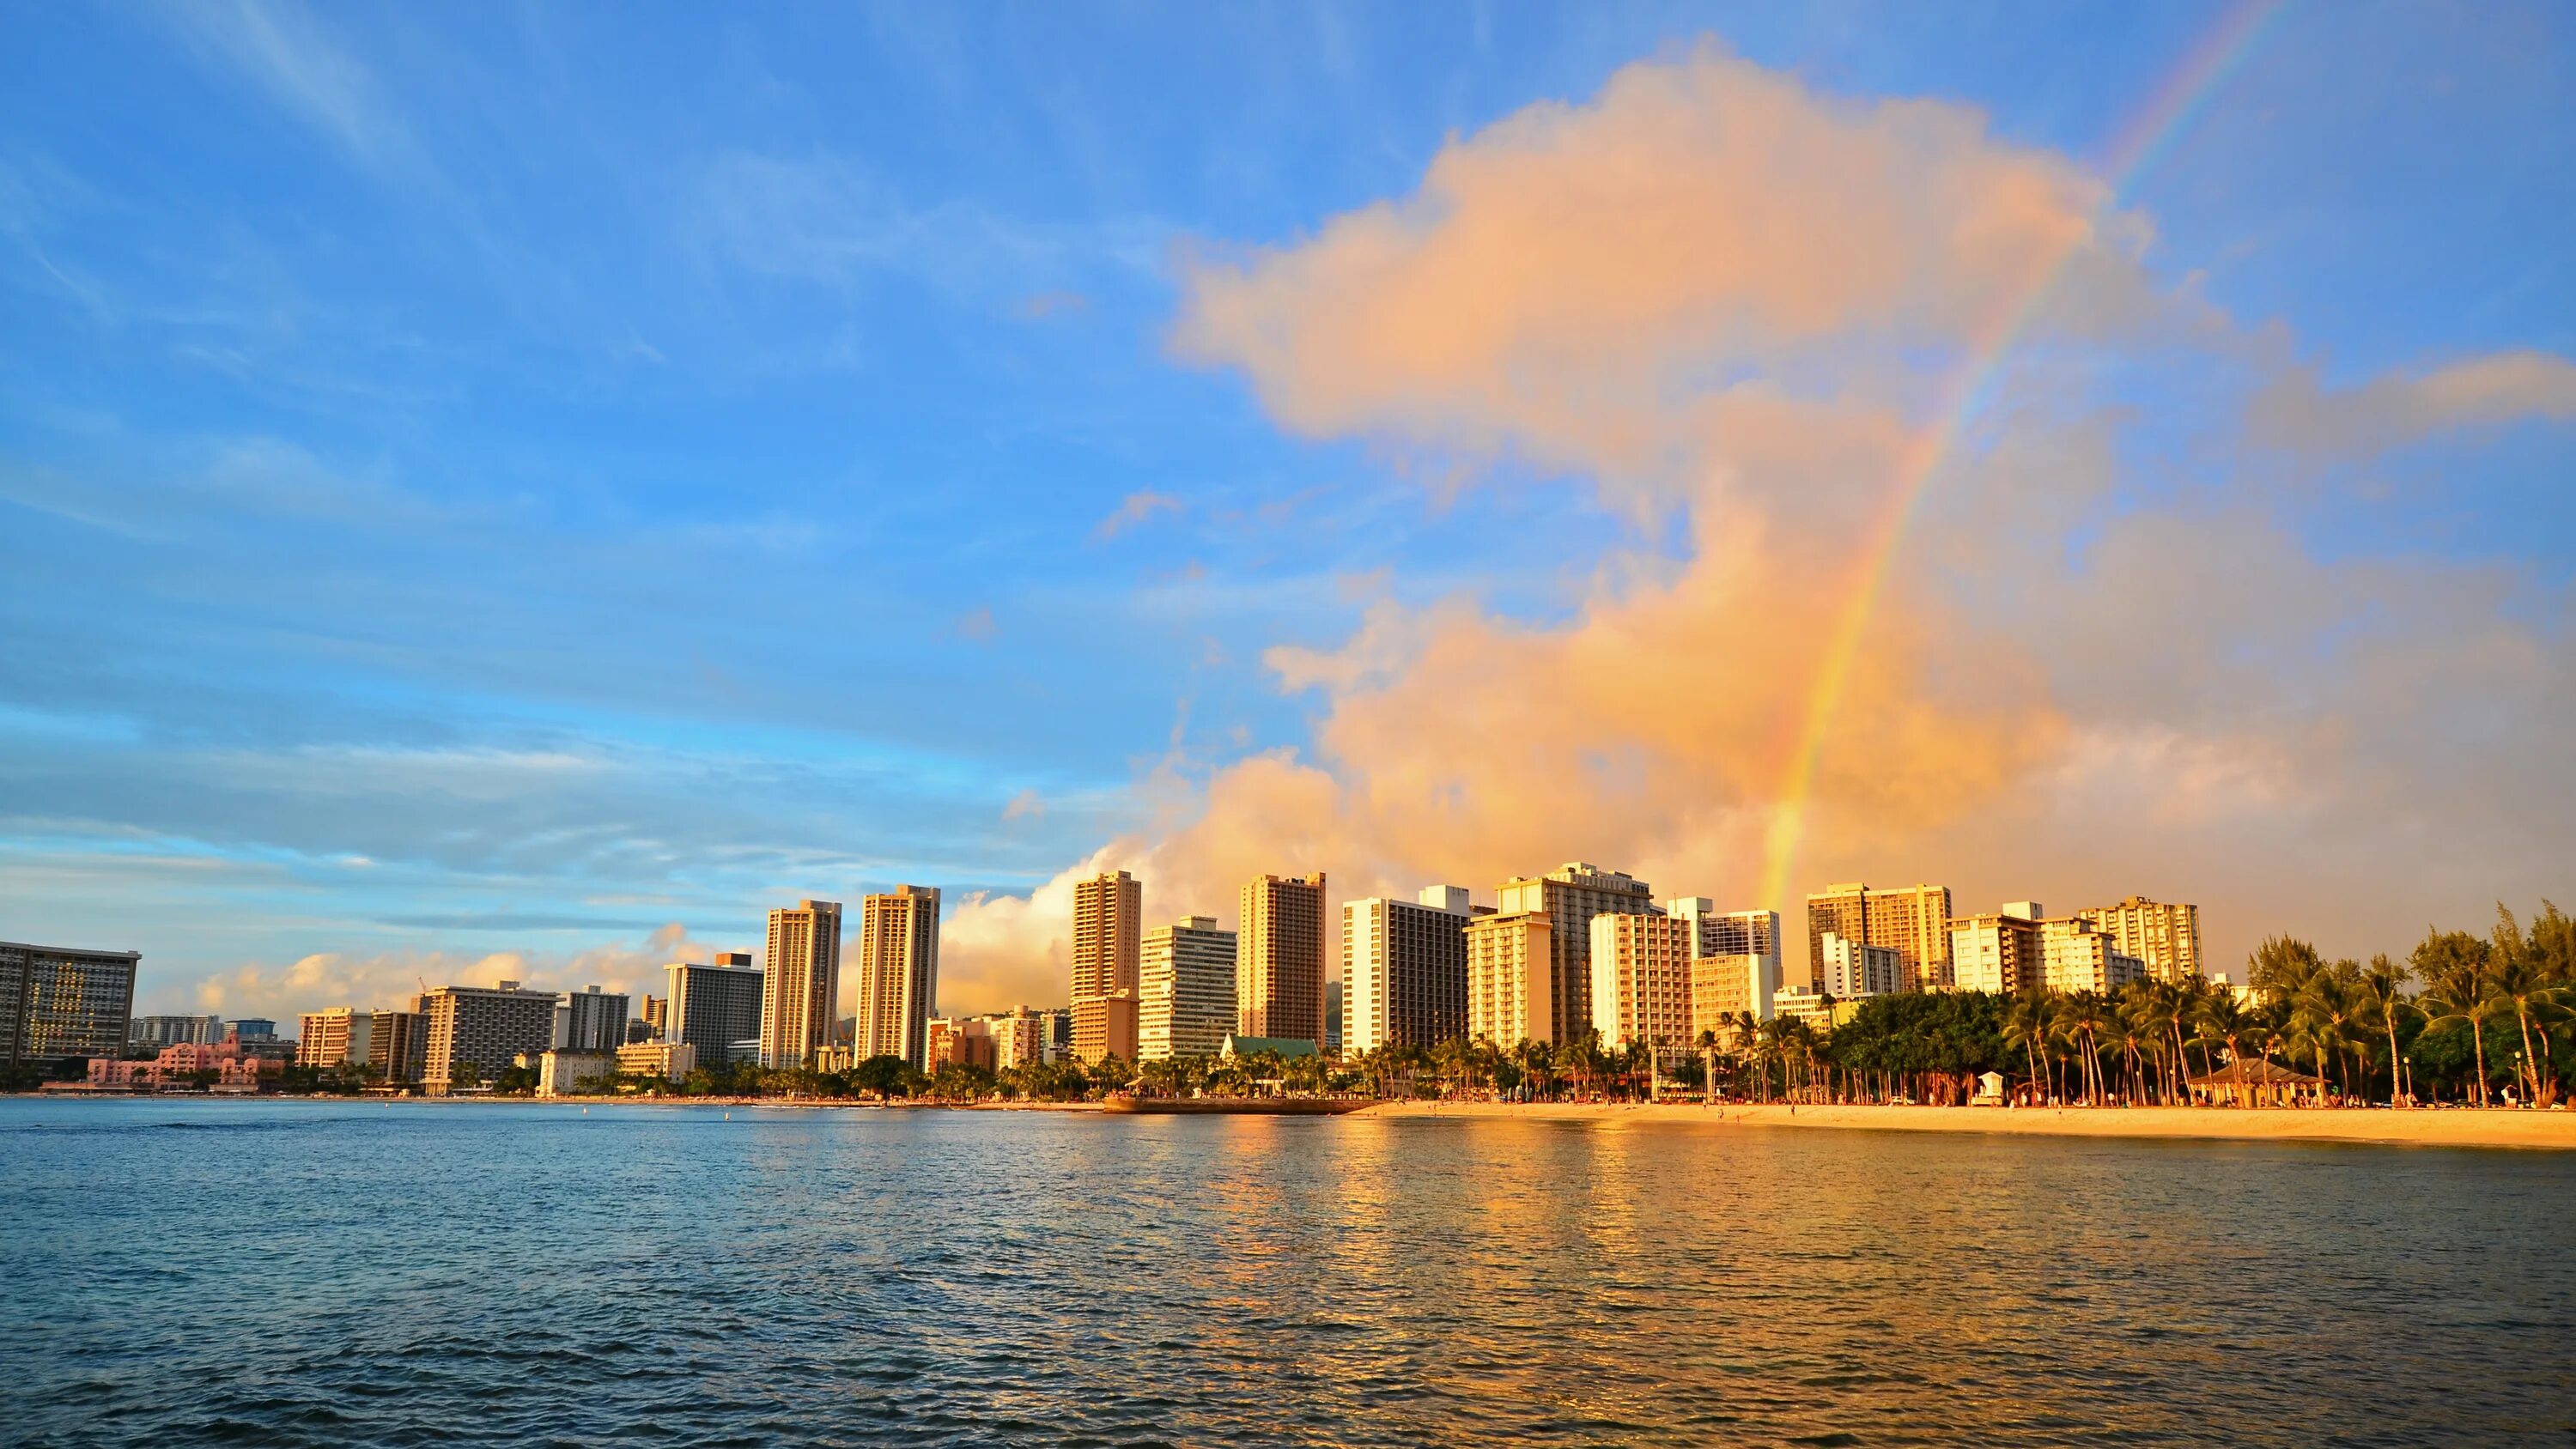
1134 511
292 55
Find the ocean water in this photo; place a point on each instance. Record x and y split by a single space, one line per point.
286 1273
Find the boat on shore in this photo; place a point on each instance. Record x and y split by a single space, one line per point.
1236 1106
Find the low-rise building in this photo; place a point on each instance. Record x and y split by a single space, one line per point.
220 1067
672 1061
563 1073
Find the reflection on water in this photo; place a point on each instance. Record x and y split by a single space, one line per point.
290 1273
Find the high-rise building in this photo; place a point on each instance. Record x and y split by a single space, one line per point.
398 1044
2076 957
58 1002
801 989
1848 970
1511 996
1641 978
657 1018
486 1028
591 1020
161 1031
1108 932
1404 969
1735 965
711 1007
1185 1002
1913 920
898 971
1108 937
1572 894
2165 937
1279 958
1999 951
328 1038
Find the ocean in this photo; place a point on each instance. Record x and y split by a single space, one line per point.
323 1273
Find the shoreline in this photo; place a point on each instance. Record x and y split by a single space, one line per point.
2462 1127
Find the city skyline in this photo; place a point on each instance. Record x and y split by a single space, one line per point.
443 531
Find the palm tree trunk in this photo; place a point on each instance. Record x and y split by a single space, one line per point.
2478 1042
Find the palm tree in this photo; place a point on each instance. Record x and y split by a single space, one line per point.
2382 1004
2454 971
2026 1025
2323 1014
1708 1065
2519 980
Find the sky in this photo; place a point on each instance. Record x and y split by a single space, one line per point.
518 491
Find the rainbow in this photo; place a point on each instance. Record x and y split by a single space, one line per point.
2135 150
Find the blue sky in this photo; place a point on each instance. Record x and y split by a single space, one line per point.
482 479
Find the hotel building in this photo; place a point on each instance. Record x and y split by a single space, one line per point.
590 1020
1571 895
1913 920
965 1041
161 1031
1641 978
1735 965
669 1060
486 1027
1022 1037
898 970
1848 970
1510 991
1185 1006
398 1043
711 1007
1279 958
2165 937
1998 952
802 987
1404 969
58 1002
328 1038
1108 936
2076 957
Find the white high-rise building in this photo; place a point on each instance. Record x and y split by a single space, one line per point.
1735 967
1641 979
1846 970
1185 999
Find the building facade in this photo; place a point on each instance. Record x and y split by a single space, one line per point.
1849 970
2076 957
328 1038
1279 958
1404 969
1511 996
1571 895
1108 941
1641 979
1913 920
482 1028
590 1020
2165 937
1019 1038
58 1002
562 1072
1735 964
669 1060
398 1044
802 987
161 1031
1185 999
713 1007
898 971
1999 951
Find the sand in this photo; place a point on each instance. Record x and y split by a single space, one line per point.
2421 1128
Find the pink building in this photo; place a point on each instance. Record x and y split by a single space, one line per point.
235 1070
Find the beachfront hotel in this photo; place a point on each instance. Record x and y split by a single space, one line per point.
1848 970
1404 969
62 1001
1185 1004
713 1006
1641 978
1279 958
590 1020
328 1038
1510 996
802 988
898 973
1571 895
486 1028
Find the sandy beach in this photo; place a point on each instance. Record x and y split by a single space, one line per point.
2495 1128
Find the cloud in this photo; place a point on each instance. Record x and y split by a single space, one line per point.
1721 297
2393 410
1027 804
393 978
1133 511
295 59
